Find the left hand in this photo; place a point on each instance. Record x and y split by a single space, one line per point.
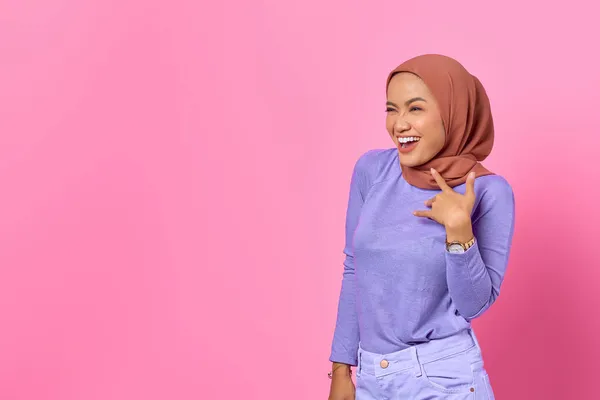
450 208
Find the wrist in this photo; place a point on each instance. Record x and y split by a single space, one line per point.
459 230
340 370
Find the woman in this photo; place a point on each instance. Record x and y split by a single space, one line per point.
428 235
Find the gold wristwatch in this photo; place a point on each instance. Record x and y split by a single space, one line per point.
459 247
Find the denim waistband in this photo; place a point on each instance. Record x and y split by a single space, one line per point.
414 356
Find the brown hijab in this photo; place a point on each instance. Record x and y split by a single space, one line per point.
466 112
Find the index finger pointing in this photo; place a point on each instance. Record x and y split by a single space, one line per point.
440 181
470 189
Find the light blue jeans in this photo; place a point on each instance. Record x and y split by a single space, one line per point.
450 368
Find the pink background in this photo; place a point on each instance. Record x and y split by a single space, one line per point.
175 174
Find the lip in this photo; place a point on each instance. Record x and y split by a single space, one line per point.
408 148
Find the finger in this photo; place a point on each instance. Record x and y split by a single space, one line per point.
440 181
423 213
470 190
430 201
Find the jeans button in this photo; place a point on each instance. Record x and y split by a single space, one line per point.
384 364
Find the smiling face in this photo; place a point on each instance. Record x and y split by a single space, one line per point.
413 120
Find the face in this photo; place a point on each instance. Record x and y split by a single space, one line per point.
413 117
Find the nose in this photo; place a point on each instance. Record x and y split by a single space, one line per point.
400 125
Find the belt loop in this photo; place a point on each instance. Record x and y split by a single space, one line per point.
472 333
418 368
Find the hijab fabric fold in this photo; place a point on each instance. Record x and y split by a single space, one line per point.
466 112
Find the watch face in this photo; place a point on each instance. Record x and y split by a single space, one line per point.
455 248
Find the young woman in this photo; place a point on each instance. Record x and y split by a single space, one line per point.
428 235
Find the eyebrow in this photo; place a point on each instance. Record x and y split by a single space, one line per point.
407 102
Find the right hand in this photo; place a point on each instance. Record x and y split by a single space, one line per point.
342 387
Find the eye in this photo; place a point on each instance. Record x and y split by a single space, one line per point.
389 109
416 108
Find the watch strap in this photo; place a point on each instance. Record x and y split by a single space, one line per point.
465 246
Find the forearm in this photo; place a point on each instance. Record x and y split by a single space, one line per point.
344 348
469 282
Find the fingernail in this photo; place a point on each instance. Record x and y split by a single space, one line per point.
472 174
432 171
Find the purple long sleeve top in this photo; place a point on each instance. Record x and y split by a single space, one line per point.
400 286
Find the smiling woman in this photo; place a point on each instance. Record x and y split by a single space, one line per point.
413 119
423 275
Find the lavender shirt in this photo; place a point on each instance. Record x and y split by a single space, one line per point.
400 286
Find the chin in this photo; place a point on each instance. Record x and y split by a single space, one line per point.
410 160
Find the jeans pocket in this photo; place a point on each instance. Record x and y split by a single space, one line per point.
451 375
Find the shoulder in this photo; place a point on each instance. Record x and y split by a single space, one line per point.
494 192
494 185
373 164
372 158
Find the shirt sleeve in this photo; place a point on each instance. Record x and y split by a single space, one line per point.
344 348
474 277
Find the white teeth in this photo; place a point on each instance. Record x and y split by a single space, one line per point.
408 139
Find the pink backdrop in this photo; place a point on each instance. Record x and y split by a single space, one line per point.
174 180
